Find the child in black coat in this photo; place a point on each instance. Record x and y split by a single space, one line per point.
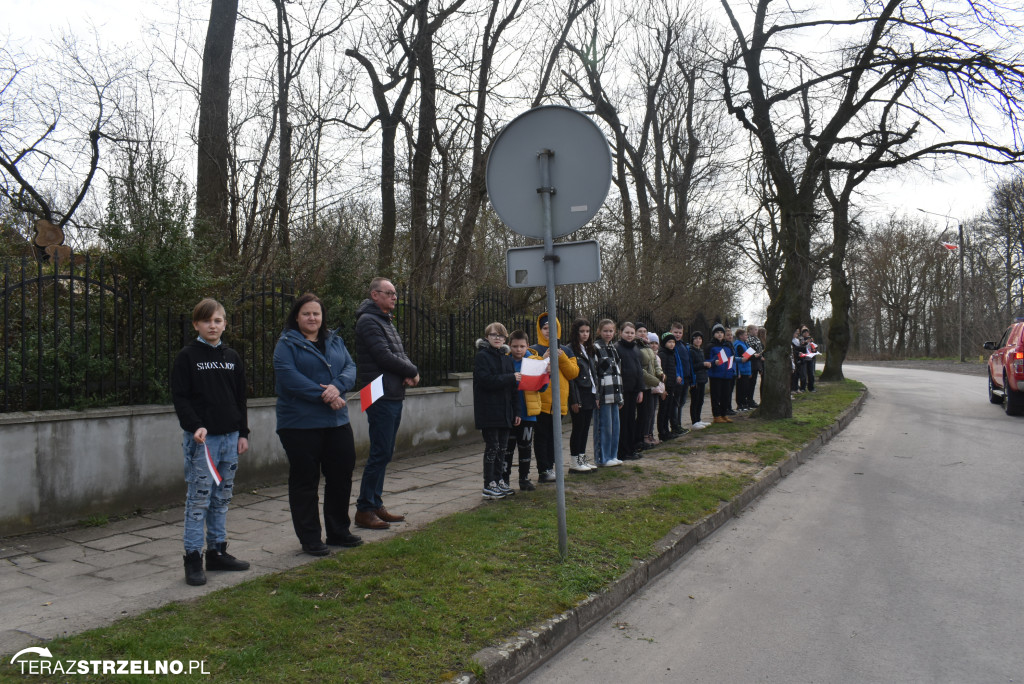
495 405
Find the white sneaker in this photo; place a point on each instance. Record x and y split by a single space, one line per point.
578 466
586 461
699 425
614 462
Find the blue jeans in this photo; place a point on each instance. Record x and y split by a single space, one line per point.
206 503
384 416
606 433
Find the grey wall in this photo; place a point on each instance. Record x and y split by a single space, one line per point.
58 467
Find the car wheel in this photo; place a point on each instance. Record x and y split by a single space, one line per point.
992 396
1013 402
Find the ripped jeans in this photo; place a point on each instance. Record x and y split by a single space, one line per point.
206 504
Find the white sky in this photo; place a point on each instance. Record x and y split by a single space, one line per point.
956 191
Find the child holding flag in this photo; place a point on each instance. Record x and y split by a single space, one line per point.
720 354
208 390
531 384
744 381
495 405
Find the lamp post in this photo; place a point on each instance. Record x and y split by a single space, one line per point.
960 249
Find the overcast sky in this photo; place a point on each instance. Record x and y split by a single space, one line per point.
958 192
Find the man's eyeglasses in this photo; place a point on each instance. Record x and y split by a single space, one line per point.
387 293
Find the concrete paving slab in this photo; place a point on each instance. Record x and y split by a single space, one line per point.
275 491
58 571
275 517
121 573
108 559
118 541
170 515
163 531
12 640
33 545
87 534
63 553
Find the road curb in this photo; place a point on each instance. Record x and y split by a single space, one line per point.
521 655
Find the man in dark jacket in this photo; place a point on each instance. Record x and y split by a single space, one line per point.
379 351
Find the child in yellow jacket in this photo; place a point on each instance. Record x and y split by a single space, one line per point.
567 370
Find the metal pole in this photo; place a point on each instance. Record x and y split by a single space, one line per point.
545 191
960 228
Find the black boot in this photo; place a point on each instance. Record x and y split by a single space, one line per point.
217 558
194 574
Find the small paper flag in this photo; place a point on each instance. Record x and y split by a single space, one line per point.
373 391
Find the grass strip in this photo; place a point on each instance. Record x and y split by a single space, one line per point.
415 608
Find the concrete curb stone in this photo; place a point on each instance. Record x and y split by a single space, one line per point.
528 650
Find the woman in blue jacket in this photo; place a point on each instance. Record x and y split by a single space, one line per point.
313 371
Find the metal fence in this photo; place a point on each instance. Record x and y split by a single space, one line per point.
80 335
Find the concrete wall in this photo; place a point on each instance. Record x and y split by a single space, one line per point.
58 467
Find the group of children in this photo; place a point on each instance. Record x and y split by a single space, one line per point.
804 352
630 392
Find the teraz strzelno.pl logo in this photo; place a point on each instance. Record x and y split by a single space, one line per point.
45 664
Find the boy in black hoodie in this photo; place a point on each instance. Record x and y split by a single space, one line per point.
208 390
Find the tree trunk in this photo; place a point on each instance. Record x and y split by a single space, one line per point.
212 226
284 158
424 145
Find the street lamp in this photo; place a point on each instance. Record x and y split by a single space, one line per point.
960 249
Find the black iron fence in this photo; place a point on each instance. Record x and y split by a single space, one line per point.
79 335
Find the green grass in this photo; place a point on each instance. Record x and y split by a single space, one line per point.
416 608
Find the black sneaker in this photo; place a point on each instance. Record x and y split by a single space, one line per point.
217 558
526 486
194 574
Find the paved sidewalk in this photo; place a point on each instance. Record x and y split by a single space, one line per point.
66 582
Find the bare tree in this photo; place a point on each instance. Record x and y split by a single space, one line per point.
212 210
803 114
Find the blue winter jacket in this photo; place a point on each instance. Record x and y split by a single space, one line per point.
684 365
742 367
722 371
300 370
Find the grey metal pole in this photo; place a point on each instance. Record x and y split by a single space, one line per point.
960 227
550 259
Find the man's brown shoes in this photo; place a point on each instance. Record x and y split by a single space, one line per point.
370 521
383 514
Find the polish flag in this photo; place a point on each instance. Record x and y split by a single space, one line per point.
373 391
949 245
535 375
747 353
729 365
723 357
211 466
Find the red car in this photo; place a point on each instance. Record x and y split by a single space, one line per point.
1006 369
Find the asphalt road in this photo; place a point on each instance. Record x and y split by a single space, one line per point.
894 555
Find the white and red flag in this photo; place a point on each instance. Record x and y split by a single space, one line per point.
535 375
949 245
723 357
211 466
747 353
373 391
